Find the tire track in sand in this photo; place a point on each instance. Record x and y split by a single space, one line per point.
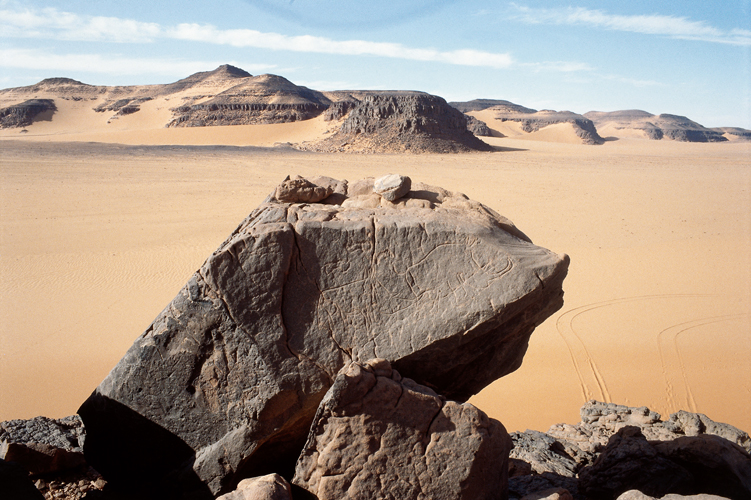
673 366
586 368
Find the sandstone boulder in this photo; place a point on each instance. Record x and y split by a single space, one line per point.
43 445
392 186
226 381
378 435
268 487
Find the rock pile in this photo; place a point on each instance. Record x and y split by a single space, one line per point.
226 382
616 448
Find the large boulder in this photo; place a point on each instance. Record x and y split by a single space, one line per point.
378 435
226 381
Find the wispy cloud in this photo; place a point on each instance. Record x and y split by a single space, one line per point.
96 63
654 24
53 24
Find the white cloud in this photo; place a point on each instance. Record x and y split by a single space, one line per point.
53 24
654 24
109 64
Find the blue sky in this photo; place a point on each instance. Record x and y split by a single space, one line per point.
685 57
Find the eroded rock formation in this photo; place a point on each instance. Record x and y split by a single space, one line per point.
24 114
225 383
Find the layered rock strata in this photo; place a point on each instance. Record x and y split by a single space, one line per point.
226 381
378 435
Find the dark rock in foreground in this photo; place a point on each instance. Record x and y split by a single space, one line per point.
24 114
226 381
15 483
378 435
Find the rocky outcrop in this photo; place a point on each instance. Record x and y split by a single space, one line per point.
268 487
43 445
378 435
226 381
532 122
648 458
259 99
687 465
478 127
401 122
122 107
24 114
656 127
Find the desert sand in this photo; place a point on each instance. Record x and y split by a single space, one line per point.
95 239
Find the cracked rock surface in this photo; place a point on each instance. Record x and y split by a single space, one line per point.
226 381
378 435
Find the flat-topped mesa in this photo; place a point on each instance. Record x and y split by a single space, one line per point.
225 382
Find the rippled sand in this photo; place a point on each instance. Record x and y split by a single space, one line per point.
96 239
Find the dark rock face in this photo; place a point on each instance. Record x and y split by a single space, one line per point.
378 435
24 114
43 445
260 99
225 383
478 127
402 121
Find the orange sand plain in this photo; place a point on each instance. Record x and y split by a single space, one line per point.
95 239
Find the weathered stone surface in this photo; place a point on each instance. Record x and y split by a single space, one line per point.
524 486
478 127
268 487
377 435
392 186
15 483
225 383
43 445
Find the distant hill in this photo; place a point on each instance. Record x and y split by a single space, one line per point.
342 120
496 112
665 126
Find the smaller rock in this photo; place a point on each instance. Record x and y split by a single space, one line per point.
268 487
392 186
551 494
378 435
301 190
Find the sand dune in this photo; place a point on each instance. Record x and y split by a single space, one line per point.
97 239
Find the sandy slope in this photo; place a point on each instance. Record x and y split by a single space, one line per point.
96 239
